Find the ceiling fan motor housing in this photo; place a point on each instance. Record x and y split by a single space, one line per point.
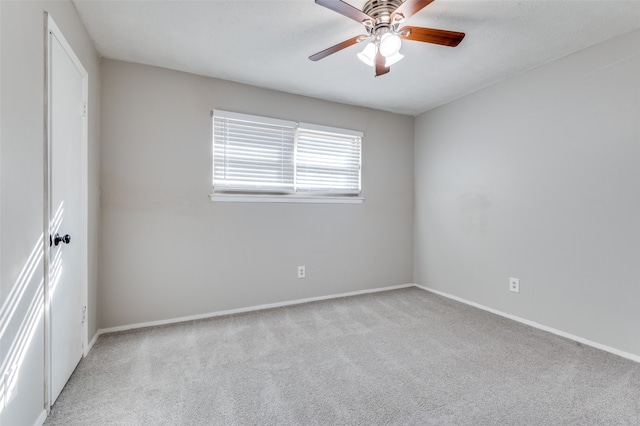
381 10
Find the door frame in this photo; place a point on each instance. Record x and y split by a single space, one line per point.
52 30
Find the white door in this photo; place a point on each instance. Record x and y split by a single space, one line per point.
67 82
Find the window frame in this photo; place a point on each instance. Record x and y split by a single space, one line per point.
269 195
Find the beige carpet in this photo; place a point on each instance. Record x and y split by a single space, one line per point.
402 357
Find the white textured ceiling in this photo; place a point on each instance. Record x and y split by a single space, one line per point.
267 43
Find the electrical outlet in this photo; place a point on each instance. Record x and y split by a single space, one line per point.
301 272
514 284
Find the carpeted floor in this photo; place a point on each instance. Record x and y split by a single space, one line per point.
402 357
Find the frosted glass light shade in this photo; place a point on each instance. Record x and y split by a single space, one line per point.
368 55
390 60
390 45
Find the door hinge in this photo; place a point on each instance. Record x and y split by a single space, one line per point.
85 108
84 314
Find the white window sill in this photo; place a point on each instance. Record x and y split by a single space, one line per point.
257 198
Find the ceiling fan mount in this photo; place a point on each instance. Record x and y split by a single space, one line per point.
382 19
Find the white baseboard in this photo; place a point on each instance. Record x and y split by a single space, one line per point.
242 310
92 342
587 342
41 418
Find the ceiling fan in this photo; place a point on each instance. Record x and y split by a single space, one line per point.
382 20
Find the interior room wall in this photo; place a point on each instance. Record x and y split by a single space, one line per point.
169 252
537 178
21 205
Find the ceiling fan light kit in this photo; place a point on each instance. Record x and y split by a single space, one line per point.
382 19
391 55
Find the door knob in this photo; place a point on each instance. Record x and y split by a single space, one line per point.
57 239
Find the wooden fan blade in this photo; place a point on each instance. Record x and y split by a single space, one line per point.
381 69
409 8
336 48
430 35
345 9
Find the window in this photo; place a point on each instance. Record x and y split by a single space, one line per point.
258 156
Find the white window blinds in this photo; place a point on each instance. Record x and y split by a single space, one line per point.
252 153
327 161
262 155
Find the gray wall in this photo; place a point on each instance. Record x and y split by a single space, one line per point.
537 178
169 252
21 177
